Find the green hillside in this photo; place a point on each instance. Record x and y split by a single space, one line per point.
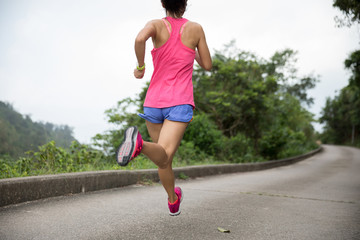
18 133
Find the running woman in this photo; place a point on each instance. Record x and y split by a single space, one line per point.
169 102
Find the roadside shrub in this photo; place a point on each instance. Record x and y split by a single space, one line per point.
7 169
273 141
204 134
237 149
282 142
188 153
50 159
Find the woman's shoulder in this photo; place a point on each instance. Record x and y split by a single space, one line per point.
193 25
154 22
194 28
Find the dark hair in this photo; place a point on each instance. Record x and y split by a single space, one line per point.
176 7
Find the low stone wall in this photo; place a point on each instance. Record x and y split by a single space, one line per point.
18 190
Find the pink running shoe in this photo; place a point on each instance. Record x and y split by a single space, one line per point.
175 207
131 147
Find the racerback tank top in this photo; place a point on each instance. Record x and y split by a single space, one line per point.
171 82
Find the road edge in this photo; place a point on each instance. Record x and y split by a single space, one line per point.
19 190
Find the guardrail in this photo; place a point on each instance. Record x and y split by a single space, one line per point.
19 190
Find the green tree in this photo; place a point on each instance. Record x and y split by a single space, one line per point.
341 115
353 64
282 67
290 131
242 92
351 10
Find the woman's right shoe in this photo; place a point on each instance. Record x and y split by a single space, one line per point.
131 147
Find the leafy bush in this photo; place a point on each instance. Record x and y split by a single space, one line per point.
204 134
51 159
238 149
188 154
273 142
7 169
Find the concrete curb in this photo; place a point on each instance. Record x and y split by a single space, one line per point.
18 190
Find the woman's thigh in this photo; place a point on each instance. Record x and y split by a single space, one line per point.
170 136
154 130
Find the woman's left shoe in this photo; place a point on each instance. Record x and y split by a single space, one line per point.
131 147
175 207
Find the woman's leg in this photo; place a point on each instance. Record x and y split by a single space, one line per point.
167 138
153 150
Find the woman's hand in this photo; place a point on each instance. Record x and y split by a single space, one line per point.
139 73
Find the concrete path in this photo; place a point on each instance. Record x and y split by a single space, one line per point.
318 198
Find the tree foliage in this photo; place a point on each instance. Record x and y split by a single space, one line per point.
351 10
247 108
341 115
246 95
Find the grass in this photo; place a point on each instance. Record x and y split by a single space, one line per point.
28 167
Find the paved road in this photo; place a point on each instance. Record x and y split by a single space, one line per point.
318 198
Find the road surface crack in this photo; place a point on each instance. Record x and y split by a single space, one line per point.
280 196
296 197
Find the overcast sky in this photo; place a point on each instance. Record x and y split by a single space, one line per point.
67 61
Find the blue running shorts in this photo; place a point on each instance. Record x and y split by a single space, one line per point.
180 113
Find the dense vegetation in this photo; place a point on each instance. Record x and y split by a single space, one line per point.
248 109
341 115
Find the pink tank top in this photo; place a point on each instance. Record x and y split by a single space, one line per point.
171 82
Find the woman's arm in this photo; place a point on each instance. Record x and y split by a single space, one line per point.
140 43
202 56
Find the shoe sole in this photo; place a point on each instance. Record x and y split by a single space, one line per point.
127 148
